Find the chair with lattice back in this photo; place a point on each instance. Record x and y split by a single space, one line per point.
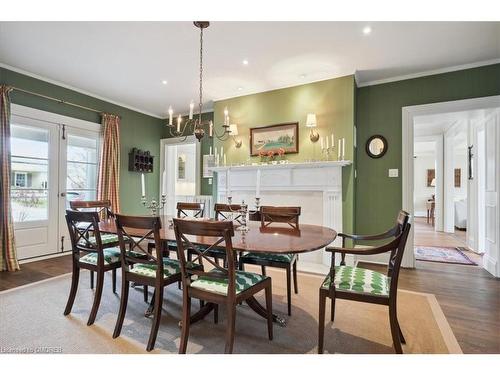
221 285
364 285
88 252
105 212
151 269
268 216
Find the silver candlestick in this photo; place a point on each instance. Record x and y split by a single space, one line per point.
153 205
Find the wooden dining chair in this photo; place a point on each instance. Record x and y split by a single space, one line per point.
151 270
220 286
88 252
103 208
364 285
225 212
269 215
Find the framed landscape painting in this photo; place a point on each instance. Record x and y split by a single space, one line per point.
274 137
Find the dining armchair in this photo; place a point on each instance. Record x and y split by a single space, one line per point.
225 211
364 285
104 210
89 252
269 215
224 286
151 269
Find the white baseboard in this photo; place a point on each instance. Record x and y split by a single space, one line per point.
491 265
29 260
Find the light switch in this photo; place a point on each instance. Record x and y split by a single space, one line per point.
393 172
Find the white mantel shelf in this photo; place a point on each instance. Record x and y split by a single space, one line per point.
314 164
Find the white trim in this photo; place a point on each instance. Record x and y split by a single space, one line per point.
426 73
408 115
66 86
44 116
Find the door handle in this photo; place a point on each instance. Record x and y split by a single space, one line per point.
63 194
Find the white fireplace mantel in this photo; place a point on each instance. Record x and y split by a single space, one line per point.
314 186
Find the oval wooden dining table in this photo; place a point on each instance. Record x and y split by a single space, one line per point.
278 238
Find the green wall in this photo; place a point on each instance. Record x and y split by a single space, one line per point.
332 101
378 111
136 130
206 142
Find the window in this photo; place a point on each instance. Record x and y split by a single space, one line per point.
20 179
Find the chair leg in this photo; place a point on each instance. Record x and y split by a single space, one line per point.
123 307
403 340
113 275
321 321
216 314
263 268
156 318
231 319
75 277
186 316
145 293
269 308
396 340
332 310
289 290
91 279
295 281
97 297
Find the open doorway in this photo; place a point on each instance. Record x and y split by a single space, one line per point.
180 165
451 159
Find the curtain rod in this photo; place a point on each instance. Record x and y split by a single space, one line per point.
58 100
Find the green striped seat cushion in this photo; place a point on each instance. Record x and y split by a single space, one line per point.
244 280
111 255
359 280
105 239
281 258
170 268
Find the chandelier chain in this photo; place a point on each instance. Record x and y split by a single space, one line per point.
201 76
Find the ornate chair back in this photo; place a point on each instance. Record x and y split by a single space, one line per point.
402 222
272 214
80 225
221 232
196 208
223 212
135 232
397 252
103 207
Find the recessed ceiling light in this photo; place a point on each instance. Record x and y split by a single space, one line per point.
245 62
367 30
302 76
240 88
164 82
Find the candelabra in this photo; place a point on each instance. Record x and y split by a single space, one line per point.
327 151
153 205
244 212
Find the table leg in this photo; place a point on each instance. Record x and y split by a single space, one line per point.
259 309
201 313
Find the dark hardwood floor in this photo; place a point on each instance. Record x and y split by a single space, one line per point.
469 296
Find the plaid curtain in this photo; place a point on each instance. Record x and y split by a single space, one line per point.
108 183
8 256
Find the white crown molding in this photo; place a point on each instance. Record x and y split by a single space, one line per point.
426 73
61 84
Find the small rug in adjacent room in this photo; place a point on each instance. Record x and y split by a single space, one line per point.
442 255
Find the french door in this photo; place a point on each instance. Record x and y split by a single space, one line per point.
51 165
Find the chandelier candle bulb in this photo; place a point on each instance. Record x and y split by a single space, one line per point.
170 115
191 107
143 187
179 119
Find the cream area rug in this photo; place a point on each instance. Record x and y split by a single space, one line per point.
32 321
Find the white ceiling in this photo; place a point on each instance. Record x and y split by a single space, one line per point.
125 62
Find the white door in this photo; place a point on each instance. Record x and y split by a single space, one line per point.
79 152
491 194
51 165
34 186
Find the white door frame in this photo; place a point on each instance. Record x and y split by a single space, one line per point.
190 139
408 115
